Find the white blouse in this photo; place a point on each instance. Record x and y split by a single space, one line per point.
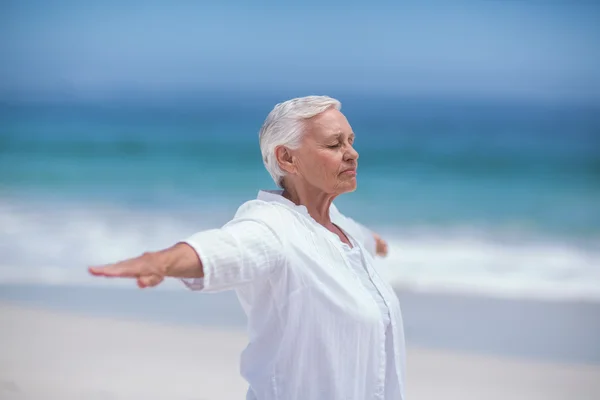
319 328
355 259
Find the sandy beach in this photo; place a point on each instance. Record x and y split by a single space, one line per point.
60 355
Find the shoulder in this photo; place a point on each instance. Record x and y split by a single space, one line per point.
334 212
280 220
269 213
346 223
338 218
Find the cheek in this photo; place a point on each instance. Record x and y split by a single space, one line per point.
319 166
328 165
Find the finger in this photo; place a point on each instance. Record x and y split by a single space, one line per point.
106 270
149 281
124 269
382 249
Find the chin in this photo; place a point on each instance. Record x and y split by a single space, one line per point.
347 186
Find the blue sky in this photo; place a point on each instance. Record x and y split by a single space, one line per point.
521 49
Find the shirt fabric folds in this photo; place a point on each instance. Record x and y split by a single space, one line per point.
322 321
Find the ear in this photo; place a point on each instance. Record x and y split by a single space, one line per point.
285 159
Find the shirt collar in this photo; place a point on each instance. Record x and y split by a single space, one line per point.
276 196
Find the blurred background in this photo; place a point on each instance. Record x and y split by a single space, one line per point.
127 126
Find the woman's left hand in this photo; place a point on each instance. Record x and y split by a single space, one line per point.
381 246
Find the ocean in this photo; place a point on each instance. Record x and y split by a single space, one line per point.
499 199
491 210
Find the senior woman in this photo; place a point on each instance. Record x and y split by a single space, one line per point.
322 322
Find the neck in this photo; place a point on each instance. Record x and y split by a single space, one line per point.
316 201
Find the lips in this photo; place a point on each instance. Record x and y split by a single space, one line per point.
349 171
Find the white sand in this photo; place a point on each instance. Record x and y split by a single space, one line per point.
51 355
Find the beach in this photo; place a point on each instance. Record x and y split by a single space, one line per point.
54 351
489 210
58 355
126 128
54 355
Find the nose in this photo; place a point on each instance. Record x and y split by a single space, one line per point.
351 154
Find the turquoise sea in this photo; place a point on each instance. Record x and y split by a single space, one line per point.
499 198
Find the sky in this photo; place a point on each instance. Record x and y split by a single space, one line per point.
517 49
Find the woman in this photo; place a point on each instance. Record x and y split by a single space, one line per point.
322 322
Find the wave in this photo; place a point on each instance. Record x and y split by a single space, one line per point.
481 264
51 244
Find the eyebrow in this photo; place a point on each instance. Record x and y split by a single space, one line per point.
338 135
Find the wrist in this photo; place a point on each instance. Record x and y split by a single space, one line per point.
179 261
161 262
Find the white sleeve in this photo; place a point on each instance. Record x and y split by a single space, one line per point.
366 238
240 252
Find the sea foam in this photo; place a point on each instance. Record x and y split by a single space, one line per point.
54 244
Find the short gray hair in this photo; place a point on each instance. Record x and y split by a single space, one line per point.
285 126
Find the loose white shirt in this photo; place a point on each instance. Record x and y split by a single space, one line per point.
356 261
316 329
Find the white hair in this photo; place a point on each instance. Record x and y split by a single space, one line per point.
285 126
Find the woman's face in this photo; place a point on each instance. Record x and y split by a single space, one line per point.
326 159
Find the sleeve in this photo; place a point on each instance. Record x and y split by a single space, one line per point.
240 252
368 238
365 235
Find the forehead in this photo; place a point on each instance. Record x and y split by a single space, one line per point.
327 123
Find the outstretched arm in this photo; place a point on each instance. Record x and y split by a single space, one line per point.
371 240
379 246
217 259
178 261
